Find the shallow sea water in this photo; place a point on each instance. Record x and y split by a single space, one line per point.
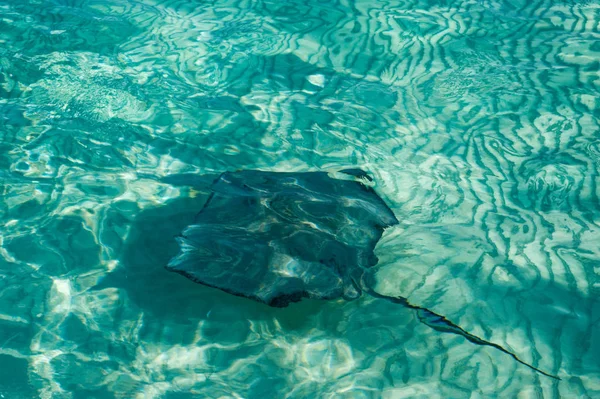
478 120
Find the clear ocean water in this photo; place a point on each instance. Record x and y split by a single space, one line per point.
479 121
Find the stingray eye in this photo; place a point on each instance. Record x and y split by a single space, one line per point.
328 262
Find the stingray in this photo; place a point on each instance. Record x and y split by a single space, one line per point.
277 238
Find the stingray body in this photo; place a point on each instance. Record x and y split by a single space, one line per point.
277 238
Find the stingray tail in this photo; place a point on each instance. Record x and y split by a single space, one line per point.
442 324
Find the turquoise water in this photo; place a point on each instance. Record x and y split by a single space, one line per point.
478 120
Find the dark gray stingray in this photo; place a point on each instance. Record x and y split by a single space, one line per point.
279 237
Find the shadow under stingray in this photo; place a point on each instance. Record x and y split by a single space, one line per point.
164 295
152 244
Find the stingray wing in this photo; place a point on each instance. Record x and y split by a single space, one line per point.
279 237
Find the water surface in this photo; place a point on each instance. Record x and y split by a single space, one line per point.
478 120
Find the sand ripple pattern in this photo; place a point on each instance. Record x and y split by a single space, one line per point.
479 121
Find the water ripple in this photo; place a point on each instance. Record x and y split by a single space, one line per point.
479 121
